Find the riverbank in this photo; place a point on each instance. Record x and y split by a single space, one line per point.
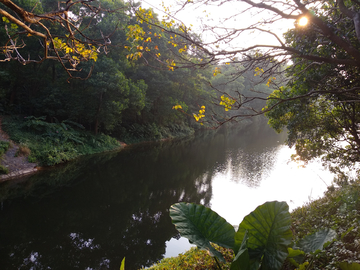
33 143
338 209
14 164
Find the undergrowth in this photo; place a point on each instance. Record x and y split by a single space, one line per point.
54 143
151 132
195 259
4 146
339 209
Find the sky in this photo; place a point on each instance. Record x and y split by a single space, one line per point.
213 15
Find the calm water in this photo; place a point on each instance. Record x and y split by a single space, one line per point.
91 213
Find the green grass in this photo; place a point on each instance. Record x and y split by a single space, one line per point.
338 209
54 143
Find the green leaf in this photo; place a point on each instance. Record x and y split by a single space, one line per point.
295 256
122 266
349 266
317 240
295 252
242 259
269 234
201 226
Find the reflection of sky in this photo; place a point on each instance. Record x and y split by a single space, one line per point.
281 179
248 181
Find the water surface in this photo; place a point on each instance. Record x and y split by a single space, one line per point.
91 213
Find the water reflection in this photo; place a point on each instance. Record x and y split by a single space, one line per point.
111 209
91 213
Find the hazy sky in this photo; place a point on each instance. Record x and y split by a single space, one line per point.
215 15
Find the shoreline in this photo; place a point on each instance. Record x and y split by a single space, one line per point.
16 174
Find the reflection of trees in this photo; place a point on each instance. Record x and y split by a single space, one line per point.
95 211
250 152
108 211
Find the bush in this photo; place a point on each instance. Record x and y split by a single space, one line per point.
194 259
4 146
339 210
3 170
23 151
54 143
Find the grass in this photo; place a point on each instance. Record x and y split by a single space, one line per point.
338 209
23 151
4 146
53 143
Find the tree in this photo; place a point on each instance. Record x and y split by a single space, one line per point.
313 69
61 31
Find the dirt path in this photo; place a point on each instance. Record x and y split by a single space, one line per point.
16 165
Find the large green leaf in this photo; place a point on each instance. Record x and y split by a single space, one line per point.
269 234
242 259
317 240
201 226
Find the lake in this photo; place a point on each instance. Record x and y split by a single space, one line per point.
90 213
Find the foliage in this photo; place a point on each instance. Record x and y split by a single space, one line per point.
316 96
48 31
4 146
151 132
263 239
338 209
194 259
23 151
122 266
54 143
3 170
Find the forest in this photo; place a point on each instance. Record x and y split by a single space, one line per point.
116 69
128 98
79 77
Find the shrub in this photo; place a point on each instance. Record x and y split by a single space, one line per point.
4 146
3 170
23 151
54 143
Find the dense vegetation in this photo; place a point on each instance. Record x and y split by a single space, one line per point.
53 143
316 97
124 97
339 210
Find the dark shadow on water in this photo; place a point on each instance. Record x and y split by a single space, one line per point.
92 212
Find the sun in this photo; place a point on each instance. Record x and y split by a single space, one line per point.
303 21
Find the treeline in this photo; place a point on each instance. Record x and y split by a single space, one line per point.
127 96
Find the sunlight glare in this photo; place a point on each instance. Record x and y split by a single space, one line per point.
303 21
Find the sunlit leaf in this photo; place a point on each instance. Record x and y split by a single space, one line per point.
201 226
